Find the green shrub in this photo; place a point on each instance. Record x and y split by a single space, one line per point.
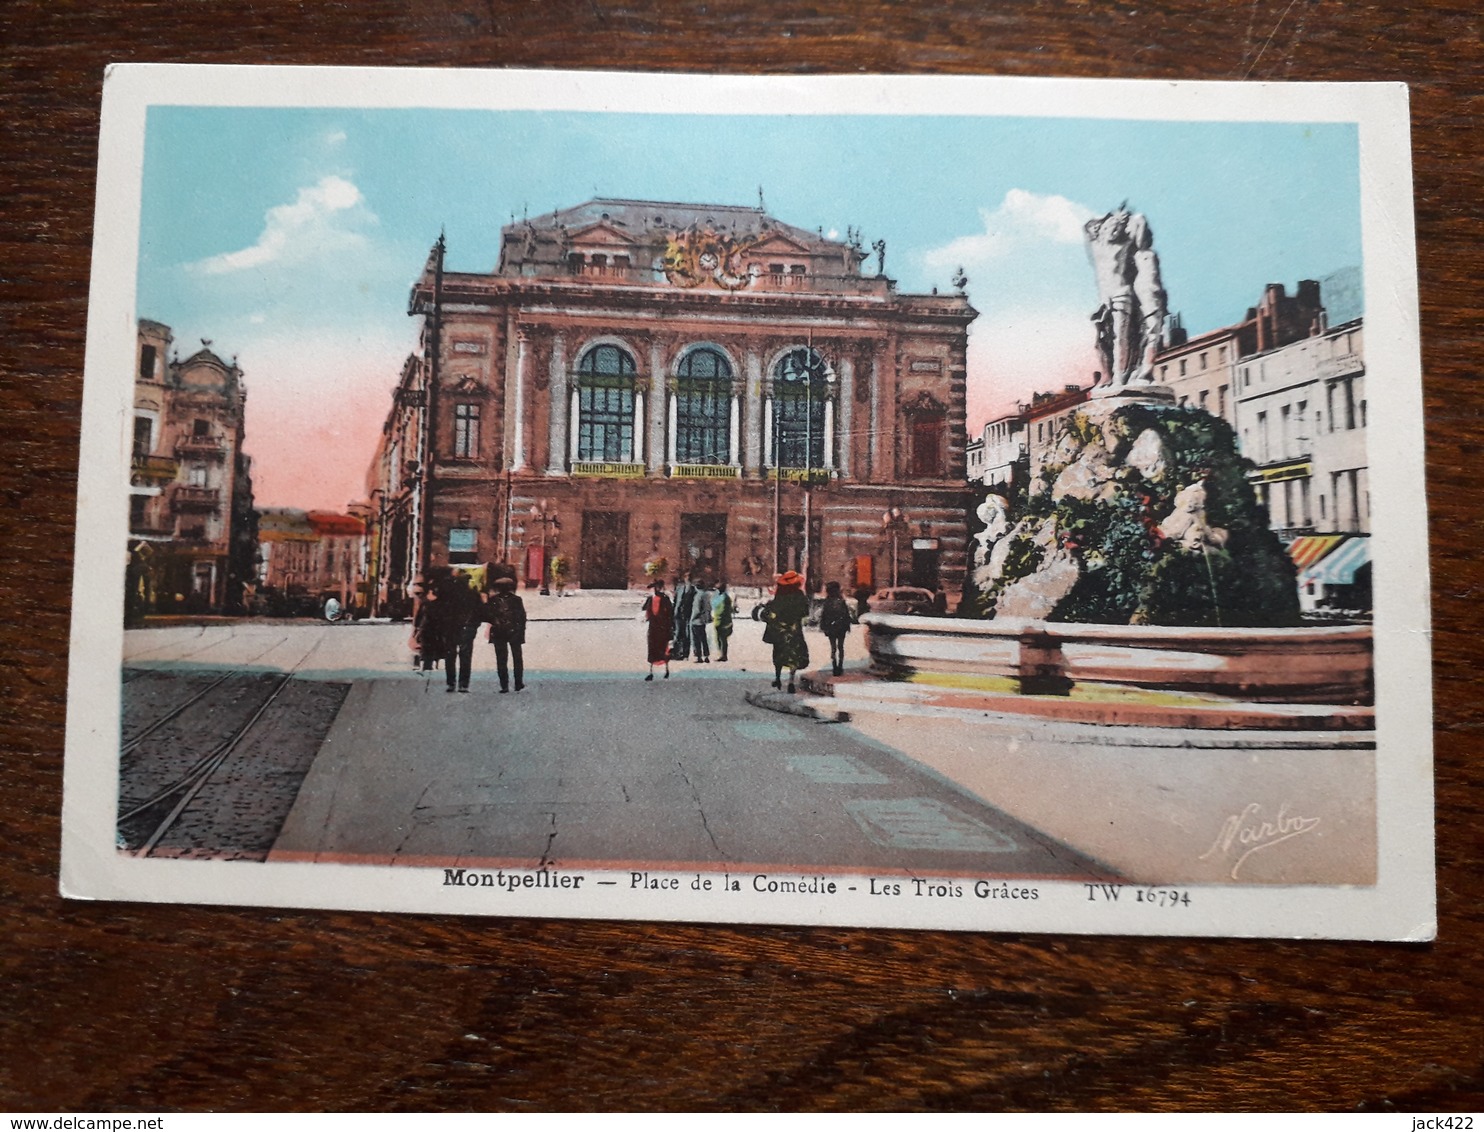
1129 573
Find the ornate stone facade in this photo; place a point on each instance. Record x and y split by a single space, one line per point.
704 384
192 535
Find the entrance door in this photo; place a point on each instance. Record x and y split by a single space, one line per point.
925 565
605 551
792 548
703 546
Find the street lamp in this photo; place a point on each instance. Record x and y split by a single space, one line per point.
540 513
896 524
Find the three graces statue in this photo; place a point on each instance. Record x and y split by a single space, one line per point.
1131 318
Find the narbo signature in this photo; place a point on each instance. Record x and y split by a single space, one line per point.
1249 832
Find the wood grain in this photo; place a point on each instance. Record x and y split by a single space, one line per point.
112 1007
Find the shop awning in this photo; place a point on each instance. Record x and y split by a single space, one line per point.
1338 568
1310 549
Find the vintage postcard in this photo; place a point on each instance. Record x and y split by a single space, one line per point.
968 503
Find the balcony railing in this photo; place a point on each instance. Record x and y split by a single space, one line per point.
617 470
191 498
801 475
160 468
200 446
1339 366
705 471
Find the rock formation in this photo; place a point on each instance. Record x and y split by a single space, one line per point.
1142 514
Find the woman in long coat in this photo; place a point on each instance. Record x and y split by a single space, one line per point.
785 632
659 611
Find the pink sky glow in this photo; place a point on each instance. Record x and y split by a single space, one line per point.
311 440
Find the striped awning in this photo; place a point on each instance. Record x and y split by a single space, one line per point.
1310 549
1338 568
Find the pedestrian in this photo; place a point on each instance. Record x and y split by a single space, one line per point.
700 620
722 608
862 602
785 632
685 597
427 649
454 617
506 615
834 623
659 612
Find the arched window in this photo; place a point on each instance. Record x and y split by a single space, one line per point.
703 403
605 400
800 394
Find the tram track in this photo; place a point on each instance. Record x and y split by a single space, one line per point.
174 713
275 734
190 784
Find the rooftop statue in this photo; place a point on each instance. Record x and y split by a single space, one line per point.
1132 311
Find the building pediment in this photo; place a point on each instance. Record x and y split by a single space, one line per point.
601 235
776 243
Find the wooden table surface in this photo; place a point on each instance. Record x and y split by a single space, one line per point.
109 1007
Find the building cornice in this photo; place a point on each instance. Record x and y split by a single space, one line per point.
471 294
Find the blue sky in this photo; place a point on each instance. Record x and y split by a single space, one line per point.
290 237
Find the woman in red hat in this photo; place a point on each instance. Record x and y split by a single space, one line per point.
659 611
785 632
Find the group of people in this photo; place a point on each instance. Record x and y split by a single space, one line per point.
447 620
682 626
678 627
450 612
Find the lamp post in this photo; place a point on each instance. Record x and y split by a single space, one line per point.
895 523
541 513
373 553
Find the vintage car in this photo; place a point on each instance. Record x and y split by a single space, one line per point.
903 599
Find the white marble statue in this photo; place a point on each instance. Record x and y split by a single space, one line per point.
996 519
1132 311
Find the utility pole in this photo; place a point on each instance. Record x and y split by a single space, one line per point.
430 406
808 451
777 485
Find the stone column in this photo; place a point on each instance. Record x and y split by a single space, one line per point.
876 410
518 437
556 446
829 434
637 454
657 382
574 434
768 432
674 433
732 432
847 409
752 392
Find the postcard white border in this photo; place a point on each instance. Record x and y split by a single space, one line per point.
1401 906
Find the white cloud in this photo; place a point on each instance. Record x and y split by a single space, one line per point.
323 218
1021 219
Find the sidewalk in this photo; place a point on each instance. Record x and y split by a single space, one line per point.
1157 804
